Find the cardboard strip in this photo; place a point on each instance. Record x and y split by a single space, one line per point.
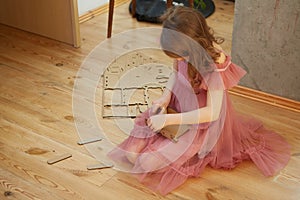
91 140
59 158
99 166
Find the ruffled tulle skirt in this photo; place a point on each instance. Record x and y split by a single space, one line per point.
163 165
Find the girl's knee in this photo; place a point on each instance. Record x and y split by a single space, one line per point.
150 162
131 157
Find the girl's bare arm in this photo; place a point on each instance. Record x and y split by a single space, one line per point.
208 113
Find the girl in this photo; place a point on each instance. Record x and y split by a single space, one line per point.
217 136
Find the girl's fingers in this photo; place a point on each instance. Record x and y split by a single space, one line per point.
152 128
158 109
149 122
155 109
163 109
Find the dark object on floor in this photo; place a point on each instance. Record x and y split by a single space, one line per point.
151 10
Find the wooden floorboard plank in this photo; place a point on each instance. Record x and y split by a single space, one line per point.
36 150
15 187
37 76
59 182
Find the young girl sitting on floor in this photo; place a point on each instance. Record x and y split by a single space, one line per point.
198 93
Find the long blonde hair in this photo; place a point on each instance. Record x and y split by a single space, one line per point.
189 22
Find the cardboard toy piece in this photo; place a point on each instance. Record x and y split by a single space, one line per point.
91 140
59 158
99 166
173 132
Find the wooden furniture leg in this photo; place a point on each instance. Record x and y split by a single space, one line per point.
110 17
133 8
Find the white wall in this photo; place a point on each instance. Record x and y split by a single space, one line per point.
85 6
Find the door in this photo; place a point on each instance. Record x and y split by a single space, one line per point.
56 19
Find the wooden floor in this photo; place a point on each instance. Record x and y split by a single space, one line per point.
36 124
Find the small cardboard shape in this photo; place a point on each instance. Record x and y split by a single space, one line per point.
173 132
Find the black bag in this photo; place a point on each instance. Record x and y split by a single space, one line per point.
151 10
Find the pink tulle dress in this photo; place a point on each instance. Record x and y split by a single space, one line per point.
163 165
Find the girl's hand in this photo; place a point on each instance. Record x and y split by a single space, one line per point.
157 109
156 122
159 105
